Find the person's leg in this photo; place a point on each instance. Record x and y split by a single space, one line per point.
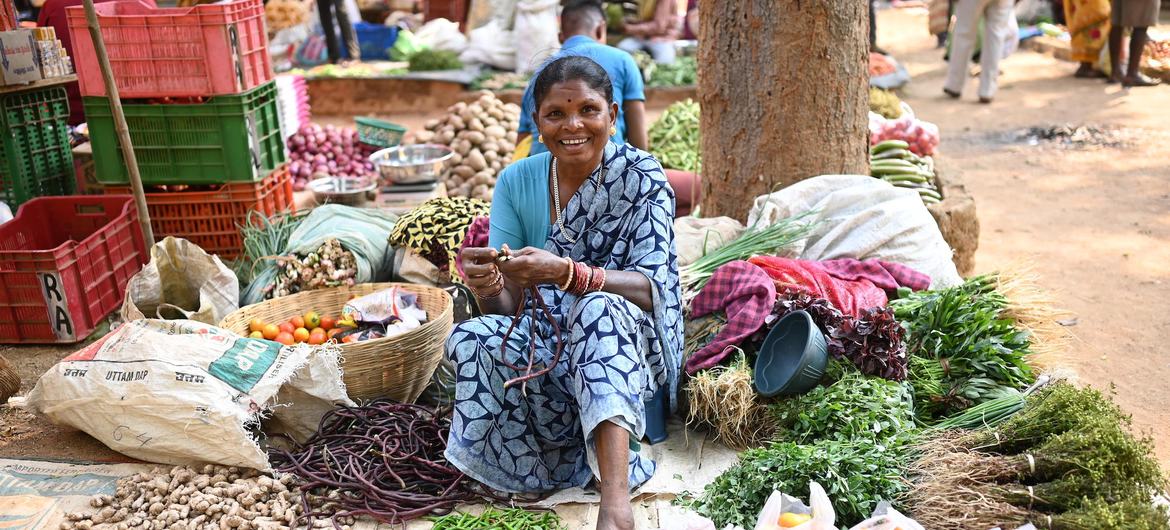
348 39
997 24
613 449
662 52
1115 35
1137 46
325 10
962 44
872 25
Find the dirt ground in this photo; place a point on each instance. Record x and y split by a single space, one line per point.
1094 221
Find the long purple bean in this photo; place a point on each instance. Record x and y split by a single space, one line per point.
356 449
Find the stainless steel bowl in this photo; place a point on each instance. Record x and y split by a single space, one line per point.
409 164
349 191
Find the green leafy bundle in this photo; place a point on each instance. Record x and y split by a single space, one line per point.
754 241
682 72
674 138
1050 411
494 519
964 329
856 475
433 60
855 407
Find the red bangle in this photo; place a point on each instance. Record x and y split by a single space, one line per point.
595 279
580 278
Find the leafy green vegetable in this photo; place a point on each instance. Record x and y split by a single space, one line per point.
1101 514
494 519
964 329
856 475
405 46
674 138
1050 411
682 72
856 407
434 60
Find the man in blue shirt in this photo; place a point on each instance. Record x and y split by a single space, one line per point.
582 33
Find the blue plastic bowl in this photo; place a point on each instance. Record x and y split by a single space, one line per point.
793 357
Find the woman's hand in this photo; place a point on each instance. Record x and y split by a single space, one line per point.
532 266
479 265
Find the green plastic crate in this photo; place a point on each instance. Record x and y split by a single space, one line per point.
35 158
225 139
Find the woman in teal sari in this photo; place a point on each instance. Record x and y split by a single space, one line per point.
604 267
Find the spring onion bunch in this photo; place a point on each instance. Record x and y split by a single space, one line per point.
755 241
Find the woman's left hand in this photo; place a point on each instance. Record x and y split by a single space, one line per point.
533 266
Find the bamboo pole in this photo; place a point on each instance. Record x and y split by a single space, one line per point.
123 131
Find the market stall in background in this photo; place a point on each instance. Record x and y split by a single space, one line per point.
279 353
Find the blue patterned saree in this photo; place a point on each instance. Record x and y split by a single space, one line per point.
616 355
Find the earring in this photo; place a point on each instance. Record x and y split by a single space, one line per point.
612 130
540 138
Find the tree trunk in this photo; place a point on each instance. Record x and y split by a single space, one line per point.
784 90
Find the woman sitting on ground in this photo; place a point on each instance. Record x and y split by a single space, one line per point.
604 266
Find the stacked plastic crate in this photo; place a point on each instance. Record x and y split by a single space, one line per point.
201 106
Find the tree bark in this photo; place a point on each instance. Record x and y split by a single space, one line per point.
784 90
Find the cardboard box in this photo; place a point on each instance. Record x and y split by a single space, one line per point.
18 58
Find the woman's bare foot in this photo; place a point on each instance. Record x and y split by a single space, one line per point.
615 516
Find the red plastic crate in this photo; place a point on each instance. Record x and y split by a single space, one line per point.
64 265
211 219
8 17
205 50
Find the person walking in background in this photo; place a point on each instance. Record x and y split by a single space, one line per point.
1139 15
998 16
1088 24
656 32
583 33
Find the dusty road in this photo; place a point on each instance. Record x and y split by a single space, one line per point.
1095 221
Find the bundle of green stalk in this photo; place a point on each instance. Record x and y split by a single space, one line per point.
1067 461
755 241
965 348
493 519
263 239
674 138
852 436
893 162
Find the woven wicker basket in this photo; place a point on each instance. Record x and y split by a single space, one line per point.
9 381
398 367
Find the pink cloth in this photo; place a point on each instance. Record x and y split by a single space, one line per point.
746 294
849 296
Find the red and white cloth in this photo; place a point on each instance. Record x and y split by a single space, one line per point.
746 293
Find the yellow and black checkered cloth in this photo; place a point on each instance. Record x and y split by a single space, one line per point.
437 227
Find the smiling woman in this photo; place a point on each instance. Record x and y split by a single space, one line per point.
595 287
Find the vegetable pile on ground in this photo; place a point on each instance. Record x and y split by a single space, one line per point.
492 80
382 460
1067 461
483 136
316 151
329 266
893 162
184 497
430 60
674 138
851 436
885 102
683 72
493 519
968 349
284 14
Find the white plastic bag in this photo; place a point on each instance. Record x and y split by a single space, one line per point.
442 34
181 392
819 507
492 46
885 517
536 33
5 213
182 281
862 217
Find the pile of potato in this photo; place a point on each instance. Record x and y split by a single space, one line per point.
212 497
284 14
483 136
